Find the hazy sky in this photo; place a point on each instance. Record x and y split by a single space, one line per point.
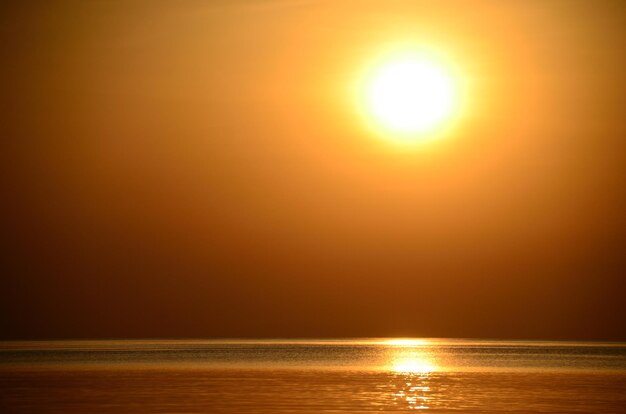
200 169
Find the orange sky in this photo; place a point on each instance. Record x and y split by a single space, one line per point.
202 170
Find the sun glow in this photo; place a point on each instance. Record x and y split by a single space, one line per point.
410 96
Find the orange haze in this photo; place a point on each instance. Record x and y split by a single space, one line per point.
200 169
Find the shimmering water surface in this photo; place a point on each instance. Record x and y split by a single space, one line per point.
279 376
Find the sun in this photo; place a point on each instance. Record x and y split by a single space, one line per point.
410 96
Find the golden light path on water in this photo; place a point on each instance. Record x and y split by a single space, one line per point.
411 360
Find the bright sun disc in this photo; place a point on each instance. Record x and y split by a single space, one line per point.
411 96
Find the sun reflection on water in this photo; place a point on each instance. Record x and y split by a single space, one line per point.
413 365
406 342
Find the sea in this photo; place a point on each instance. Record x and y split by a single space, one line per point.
359 375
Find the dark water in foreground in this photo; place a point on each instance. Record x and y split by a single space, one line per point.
280 376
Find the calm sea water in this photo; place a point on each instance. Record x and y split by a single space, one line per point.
282 376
